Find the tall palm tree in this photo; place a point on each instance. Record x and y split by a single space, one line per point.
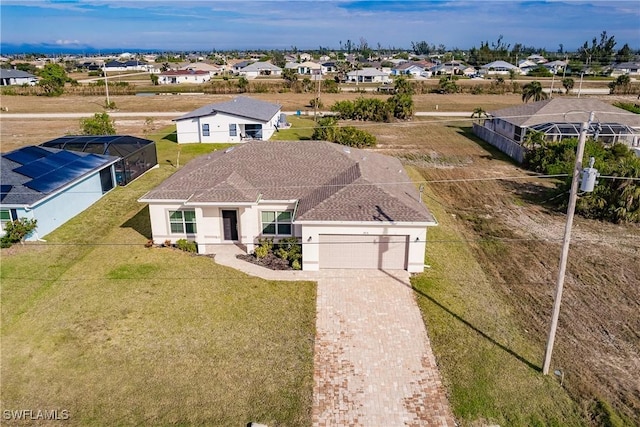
478 112
533 91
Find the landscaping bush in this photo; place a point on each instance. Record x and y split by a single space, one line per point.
16 231
186 245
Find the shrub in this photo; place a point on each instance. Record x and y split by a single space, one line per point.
16 231
296 265
264 248
186 245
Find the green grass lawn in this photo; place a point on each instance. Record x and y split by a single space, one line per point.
301 129
119 334
489 367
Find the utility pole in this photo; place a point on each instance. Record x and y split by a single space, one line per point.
106 84
565 243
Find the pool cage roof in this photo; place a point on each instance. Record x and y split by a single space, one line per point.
570 130
113 145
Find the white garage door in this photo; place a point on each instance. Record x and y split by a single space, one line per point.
363 251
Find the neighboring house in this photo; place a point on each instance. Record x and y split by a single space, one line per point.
51 185
256 69
184 76
368 75
454 68
127 66
558 118
408 69
9 77
555 67
212 69
308 68
240 65
329 67
631 69
305 57
498 68
237 120
538 59
525 66
348 207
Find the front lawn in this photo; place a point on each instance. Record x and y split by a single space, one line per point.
115 333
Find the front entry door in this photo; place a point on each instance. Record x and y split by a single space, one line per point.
230 225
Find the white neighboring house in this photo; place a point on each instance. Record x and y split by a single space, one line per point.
408 69
308 68
9 77
212 69
238 120
368 75
184 76
631 69
350 208
555 67
526 65
128 66
256 69
498 68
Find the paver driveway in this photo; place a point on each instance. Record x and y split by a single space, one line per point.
373 364
373 360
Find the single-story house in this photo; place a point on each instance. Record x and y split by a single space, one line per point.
238 120
212 69
408 69
51 185
184 76
256 69
136 155
631 69
308 68
353 209
558 118
538 59
526 65
368 75
131 65
555 67
9 77
240 65
498 68
329 67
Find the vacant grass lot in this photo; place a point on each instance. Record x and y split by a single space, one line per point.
119 334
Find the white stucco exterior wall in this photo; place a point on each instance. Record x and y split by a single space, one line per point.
190 130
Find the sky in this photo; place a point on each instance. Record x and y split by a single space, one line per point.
222 25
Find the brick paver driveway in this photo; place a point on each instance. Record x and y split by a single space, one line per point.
373 360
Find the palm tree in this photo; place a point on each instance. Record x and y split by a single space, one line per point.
533 91
478 112
568 84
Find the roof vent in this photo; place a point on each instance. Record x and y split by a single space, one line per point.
228 150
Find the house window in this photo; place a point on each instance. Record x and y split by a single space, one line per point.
276 223
5 217
205 129
183 221
233 129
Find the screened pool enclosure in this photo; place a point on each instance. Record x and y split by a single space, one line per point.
137 155
610 133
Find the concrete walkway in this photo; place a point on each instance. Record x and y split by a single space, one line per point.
373 364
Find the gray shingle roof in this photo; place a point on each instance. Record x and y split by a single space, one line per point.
260 66
16 189
240 106
330 182
566 110
15 74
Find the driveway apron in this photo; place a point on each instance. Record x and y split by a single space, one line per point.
373 360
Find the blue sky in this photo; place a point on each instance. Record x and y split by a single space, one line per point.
204 25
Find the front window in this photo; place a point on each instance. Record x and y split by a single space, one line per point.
182 221
276 223
5 217
205 129
233 130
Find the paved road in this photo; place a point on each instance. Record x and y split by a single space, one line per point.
373 363
174 114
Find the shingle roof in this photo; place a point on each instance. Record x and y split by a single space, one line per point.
259 66
499 64
15 74
30 174
330 182
566 110
240 106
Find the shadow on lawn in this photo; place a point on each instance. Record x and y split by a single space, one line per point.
140 222
173 136
478 331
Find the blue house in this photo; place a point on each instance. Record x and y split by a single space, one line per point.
51 185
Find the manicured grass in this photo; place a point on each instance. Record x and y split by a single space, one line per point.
488 365
301 129
119 334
